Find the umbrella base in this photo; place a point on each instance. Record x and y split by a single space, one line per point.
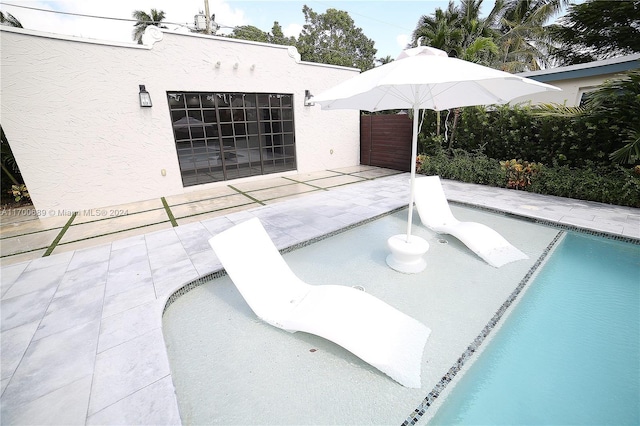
406 256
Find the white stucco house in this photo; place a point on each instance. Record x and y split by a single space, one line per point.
576 80
220 109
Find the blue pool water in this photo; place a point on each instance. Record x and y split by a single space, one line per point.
570 351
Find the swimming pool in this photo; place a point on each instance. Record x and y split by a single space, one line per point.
569 353
228 367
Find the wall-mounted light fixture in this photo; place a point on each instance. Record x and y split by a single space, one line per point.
307 98
218 64
235 66
253 67
145 98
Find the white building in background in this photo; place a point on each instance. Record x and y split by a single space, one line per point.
576 80
221 109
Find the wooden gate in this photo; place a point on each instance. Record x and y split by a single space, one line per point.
385 141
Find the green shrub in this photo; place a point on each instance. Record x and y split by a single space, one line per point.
521 132
604 130
577 145
611 184
464 167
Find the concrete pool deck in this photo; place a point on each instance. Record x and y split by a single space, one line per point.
81 329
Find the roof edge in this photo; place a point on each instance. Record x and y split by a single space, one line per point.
292 50
589 69
156 34
77 39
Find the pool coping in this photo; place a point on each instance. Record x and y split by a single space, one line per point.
135 400
478 344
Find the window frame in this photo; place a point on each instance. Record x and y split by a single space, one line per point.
222 136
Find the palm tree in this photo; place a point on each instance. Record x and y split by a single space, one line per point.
512 37
479 36
619 99
144 20
462 33
525 41
387 59
440 30
9 20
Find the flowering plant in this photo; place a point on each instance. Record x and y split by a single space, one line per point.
19 192
519 173
420 159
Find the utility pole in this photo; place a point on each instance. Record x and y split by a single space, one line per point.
207 17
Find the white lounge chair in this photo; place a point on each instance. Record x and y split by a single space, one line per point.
359 322
436 215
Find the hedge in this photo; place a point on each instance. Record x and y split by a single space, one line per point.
519 132
607 184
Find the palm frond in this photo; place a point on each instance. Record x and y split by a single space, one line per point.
10 20
557 110
480 45
630 152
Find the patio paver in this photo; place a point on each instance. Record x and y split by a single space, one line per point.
81 330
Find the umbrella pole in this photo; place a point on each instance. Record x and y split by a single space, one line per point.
407 250
414 154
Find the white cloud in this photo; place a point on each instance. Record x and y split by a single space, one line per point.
402 40
292 30
226 15
181 13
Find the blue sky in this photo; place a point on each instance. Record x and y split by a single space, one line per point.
388 23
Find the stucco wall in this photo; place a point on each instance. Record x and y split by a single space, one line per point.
572 90
71 112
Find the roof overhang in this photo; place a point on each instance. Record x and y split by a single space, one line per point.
590 69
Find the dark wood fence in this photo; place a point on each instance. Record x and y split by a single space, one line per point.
385 141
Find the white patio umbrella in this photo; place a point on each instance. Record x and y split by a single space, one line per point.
426 78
